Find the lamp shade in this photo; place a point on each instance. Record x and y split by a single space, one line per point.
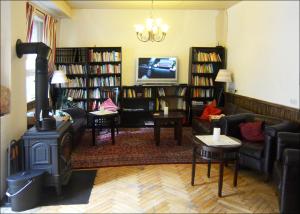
59 77
223 76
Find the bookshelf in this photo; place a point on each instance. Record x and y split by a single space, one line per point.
94 73
205 63
140 102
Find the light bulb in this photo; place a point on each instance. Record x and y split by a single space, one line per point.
158 22
149 23
139 28
164 28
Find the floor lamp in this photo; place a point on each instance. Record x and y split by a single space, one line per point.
225 77
58 77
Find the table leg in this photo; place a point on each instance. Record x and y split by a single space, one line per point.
93 131
221 178
208 169
157 132
113 131
175 131
194 166
179 132
236 168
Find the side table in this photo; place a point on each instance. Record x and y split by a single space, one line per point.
160 119
97 119
221 151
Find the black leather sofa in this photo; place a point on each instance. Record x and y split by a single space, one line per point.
79 124
205 127
286 171
256 155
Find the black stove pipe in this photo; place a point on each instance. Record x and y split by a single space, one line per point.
43 121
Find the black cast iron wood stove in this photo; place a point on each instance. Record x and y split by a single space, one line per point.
48 144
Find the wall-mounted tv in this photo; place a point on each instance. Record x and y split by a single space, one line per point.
154 70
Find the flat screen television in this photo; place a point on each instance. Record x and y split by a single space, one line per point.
154 70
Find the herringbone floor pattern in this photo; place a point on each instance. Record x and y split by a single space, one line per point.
167 189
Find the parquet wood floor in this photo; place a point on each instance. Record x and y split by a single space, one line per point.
167 189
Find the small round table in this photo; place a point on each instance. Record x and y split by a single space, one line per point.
216 153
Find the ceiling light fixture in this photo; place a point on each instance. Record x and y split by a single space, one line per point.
154 30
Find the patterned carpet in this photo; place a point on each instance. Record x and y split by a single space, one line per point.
134 146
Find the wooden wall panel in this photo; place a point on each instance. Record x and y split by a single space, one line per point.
264 107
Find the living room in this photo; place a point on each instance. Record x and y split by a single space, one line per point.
261 44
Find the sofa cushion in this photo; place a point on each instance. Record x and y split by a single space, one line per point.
252 131
255 150
210 109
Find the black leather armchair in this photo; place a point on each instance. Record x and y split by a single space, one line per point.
287 171
256 155
205 127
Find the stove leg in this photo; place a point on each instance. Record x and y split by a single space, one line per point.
58 189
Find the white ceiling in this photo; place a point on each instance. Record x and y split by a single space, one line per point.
157 4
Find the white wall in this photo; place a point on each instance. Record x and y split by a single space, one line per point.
13 125
263 50
116 28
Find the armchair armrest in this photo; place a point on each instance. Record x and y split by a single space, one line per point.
285 126
270 152
75 112
291 157
289 189
287 140
230 124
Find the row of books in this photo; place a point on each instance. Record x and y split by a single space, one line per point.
147 92
197 104
95 105
179 105
73 69
106 56
202 93
76 82
105 81
97 94
70 55
207 57
202 81
105 69
205 68
81 104
75 93
181 91
161 92
129 93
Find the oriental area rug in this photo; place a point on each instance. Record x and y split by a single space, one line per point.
133 146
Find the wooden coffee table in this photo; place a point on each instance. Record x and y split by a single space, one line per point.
212 151
161 119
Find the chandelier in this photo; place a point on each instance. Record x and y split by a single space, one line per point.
154 30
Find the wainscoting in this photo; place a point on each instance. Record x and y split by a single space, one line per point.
264 107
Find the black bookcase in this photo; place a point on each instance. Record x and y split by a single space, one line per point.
140 102
205 63
94 73
138 105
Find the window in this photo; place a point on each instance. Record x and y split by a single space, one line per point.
37 36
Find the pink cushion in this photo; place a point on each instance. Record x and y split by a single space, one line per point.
252 131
